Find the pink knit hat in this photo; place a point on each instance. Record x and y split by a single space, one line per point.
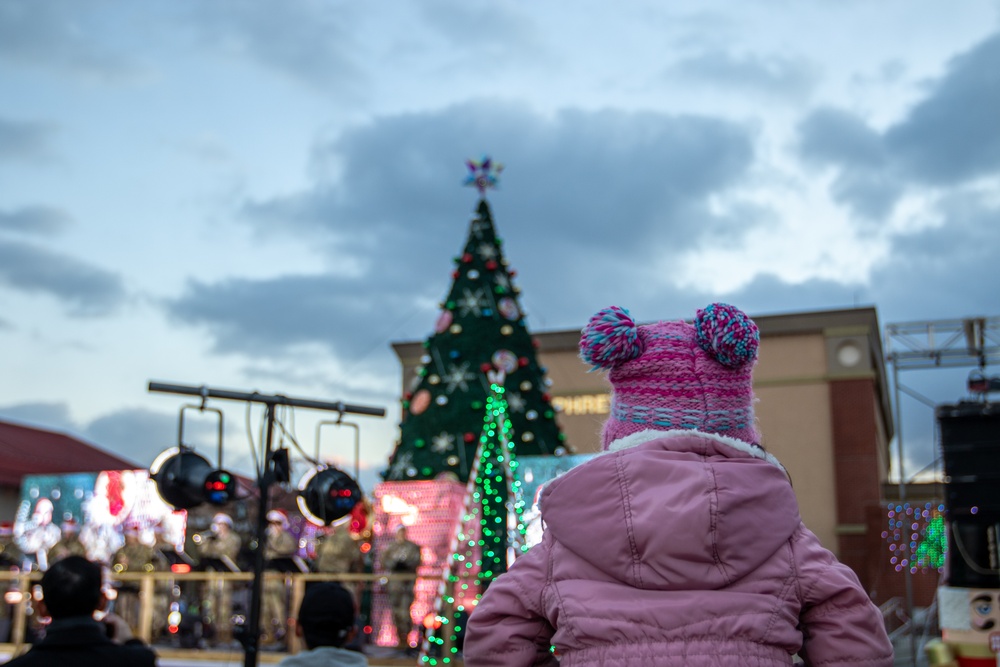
672 375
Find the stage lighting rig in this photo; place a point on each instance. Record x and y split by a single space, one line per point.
328 493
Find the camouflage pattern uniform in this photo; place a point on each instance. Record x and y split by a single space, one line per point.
11 557
68 545
336 552
133 558
163 589
273 618
401 557
219 595
10 554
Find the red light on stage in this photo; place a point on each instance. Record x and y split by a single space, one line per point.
366 547
180 568
368 629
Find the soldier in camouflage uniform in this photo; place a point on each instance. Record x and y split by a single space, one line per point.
280 544
163 588
401 557
11 555
336 552
11 558
220 543
133 558
69 544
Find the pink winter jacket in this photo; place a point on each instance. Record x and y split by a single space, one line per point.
678 548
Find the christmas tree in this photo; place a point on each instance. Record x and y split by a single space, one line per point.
481 327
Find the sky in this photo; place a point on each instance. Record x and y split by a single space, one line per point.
263 196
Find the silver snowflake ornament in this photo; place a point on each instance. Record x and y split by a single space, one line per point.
443 442
457 377
472 302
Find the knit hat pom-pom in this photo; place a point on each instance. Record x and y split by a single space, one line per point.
610 338
727 333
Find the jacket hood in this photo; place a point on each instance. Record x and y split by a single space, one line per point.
673 510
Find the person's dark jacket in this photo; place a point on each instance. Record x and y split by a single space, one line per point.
83 642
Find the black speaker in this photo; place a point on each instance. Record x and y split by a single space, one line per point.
970 448
972 552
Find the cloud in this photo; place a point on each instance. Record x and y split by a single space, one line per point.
267 317
40 220
948 138
135 434
508 31
865 181
950 269
311 42
61 34
629 185
86 289
53 416
23 140
140 435
768 294
772 75
836 137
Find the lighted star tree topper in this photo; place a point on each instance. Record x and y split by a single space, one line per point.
483 174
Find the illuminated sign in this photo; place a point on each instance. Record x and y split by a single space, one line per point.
588 404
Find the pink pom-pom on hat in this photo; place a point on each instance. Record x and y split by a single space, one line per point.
610 338
675 375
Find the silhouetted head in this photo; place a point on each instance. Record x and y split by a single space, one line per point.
72 587
326 616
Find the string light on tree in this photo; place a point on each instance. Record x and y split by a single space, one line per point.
491 534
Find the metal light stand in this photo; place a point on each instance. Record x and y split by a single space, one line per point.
265 477
339 421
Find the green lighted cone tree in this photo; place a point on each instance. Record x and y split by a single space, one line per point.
491 532
481 325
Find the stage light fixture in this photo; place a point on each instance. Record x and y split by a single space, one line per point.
327 495
185 479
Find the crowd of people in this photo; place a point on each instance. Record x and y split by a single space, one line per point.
209 611
81 633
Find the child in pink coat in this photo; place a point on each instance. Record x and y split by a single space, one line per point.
682 544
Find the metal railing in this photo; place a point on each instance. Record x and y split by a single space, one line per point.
157 594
